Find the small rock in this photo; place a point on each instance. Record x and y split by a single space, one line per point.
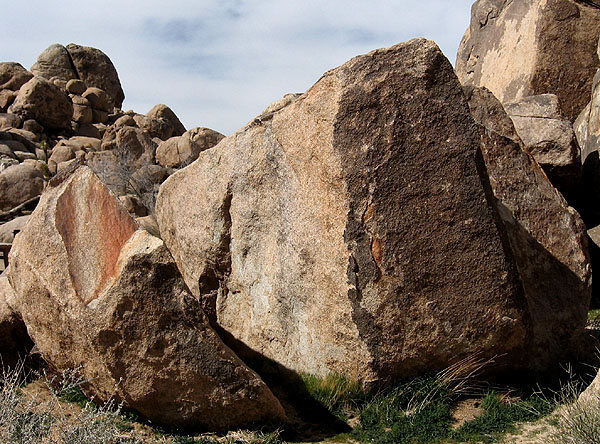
27 138
91 130
14 145
79 100
133 205
18 184
549 138
82 114
7 230
32 126
8 120
41 154
97 98
99 116
60 153
6 151
76 86
13 76
23 155
125 120
163 112
7 97
177 152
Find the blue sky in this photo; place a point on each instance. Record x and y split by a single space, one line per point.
218 63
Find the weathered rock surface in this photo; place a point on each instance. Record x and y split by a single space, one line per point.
18 184
349 231
15 343
40 100
529 47
548 136
177 152
547 237
111 302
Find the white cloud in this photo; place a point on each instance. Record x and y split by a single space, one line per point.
218 63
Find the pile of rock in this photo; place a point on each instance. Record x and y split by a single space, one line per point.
377 226
66 111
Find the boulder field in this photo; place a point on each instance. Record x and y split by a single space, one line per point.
396 218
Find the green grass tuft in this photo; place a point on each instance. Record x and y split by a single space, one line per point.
500 417
336 393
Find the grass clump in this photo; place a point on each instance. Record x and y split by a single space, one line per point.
421 410
32 418
500 414
417 411
578 420
338 394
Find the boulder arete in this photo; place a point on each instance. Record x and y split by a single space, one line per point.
350 231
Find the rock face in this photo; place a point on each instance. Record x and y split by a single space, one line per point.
528 47
548 136
40 100
350 231
547 237
18 184
112 302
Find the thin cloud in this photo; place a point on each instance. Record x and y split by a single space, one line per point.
218 63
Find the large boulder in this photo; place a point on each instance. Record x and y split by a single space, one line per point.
55 61
97 70
18 184
178 152
547 237
44 102
548 136
13 76
101 296
350 231
528 47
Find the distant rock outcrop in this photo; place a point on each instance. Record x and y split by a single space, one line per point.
90 65
103 297
525 48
